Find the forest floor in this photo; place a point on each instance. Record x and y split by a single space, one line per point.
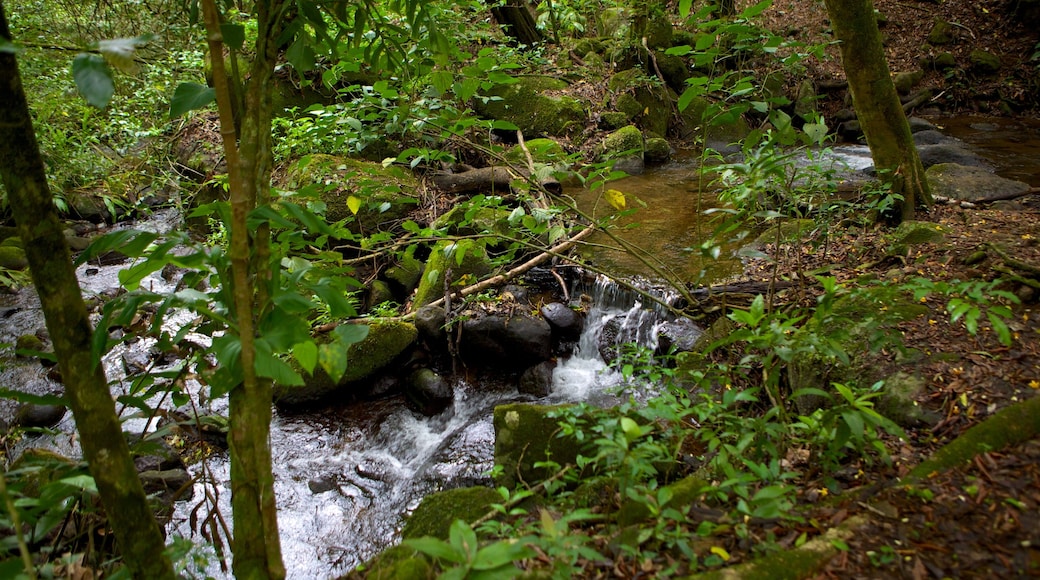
981 519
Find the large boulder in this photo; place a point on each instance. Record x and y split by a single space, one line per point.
530 105
975 184
525 435
387 339
437 511
508 343
464 258
381 195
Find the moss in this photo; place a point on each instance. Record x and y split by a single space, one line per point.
407 271
387 339
912 233
396 563
13 258
624 142
438 511
526 434
615 119
984 62
1007 427
658 150
386 194
527 105
542 151
443 257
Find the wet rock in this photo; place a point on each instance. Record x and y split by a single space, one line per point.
430 321
929 137
437 511
949 152
566 324
526 434
427 392
171 484
322 484
626 147
31 415
153 454
537 380
657 150
510 343
974 184
677 335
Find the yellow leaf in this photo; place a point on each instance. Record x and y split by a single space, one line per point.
720 552
616 199
353 204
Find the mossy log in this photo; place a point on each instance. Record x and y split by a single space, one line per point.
497 179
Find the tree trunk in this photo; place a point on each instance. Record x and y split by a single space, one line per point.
517 21
256 545
101 436
877 103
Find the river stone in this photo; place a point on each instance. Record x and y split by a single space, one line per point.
949 152
974 184
525 434
427 392
13 258
437 511
508 343
565 323
929 137
657 150
679 335
537 380
918 124
528 105
387 339
430 322
31 415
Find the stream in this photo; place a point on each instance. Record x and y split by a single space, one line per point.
346 476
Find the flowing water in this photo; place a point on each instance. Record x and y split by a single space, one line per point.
346 476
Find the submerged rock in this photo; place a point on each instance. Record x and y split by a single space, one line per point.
537 380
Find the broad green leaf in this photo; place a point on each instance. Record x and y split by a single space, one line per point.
463 539
190 96
234 35
269 365
441 81
630 428
306 353
119 52
435 548
333 360
350 333
93 79
501 553
753 11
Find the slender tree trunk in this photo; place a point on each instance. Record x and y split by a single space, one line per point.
877 104
517 21
256 545
101 436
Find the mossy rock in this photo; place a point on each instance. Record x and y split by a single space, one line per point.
13 258
612 120
396 563
542 150
906 81
657 150
805 99
625 142
484 220
528 104
387 339
913 233
674 70
984 62
787 231
444 257
406 271
525 434
941 33
975 184
438 511
29 342
649 106
684 492
12 242
898 401
944 60
385 194
628 106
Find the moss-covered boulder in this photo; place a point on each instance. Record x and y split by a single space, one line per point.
625 147
406 271
396 563
543 150
898 401
381 195
13 258
657 150
464 258
387 339
531 105
468 221
648 105
967 183
941 33
438 511
984 62
526 434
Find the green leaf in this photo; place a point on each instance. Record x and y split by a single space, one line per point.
234 35
301 54
23 397
436 549
347 334
93 79
353 204
463 539
499 554
441 81
119 52
190 96
333 360
306 353
269 365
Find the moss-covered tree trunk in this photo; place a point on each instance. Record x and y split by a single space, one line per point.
256 545
877 103
101 436
517 21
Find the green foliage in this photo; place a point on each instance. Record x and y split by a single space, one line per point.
471 560
969 300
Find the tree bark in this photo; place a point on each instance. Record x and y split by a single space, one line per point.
517 21
256 545
877 104
101 437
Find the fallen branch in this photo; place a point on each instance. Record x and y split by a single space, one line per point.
1031 269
